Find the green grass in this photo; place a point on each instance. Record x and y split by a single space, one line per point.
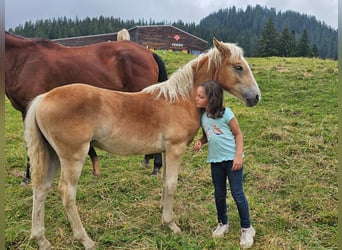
290 175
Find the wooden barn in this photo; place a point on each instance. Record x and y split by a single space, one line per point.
167 37
159 37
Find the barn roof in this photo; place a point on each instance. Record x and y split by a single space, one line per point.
153 36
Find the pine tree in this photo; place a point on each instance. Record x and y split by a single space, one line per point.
293 44
314 51
285 46
303 48
268 44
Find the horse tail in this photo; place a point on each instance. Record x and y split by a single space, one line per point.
162 75
37 146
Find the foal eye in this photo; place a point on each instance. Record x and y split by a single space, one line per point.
238 67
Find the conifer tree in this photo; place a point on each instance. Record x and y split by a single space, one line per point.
303 48
285 46
293 44
268 43
314 51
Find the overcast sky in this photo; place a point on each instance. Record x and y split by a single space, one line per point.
19 11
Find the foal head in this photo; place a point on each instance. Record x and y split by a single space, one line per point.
234 73
224 63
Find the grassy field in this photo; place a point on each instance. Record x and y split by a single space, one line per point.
290 175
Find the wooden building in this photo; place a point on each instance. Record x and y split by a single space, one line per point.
166 37
159 37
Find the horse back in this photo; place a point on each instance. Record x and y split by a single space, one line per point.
35 66
135 64
27 68
118 122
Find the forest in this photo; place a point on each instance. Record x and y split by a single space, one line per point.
261 31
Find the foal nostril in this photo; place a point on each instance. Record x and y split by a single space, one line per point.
257 98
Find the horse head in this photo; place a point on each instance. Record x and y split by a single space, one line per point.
234 73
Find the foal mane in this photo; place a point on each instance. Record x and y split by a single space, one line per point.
181 82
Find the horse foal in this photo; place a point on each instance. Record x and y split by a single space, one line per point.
61 126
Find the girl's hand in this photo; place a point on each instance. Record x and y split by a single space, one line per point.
237 163
197 145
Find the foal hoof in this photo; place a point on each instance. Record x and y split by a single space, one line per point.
175 229
89 244
44 244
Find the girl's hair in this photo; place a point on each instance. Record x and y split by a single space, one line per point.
214 92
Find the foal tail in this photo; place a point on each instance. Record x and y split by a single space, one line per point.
162 75
37 146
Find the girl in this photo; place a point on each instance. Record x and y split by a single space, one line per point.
225 152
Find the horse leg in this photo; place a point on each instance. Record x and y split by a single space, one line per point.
27 178
173 159
163 178
70 174
95 161
40 192
92 154
157 163
28 174
146 160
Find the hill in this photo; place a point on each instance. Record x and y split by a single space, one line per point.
290 142
245 27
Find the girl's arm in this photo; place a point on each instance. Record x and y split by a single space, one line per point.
235 127
198 144
203 138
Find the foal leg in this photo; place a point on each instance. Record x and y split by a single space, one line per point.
40 192
70 173
163 177
38 210
173 159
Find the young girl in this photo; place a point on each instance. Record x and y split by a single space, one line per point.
225 153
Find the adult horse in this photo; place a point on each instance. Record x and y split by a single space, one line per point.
62 124
123 34
35 66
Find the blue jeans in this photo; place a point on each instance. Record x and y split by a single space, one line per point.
219 173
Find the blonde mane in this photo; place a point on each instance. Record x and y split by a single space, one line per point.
123 34
181 82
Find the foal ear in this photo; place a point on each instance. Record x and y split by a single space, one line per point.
221 47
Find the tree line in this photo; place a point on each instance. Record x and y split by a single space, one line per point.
258 30
284 44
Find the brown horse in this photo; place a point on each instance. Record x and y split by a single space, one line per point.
62 124
35 66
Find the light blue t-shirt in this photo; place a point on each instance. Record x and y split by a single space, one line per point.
221 140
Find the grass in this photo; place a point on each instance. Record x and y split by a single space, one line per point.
290 175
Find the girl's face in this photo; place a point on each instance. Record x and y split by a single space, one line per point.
201 98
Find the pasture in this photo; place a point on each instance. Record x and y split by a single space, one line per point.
290 175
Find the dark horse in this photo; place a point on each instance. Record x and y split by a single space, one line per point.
35 66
